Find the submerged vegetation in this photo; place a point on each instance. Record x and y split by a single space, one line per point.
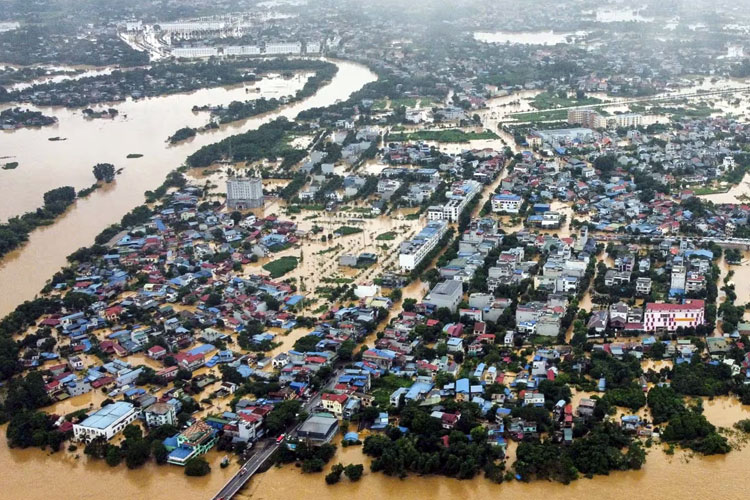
15 231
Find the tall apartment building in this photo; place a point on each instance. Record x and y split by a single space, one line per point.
584 117
413 251
244 193
677 280
590 118
669 317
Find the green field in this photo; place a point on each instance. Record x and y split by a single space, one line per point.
546 100
699 110
450 135
706 190
347 230
542 116
280 267
389 236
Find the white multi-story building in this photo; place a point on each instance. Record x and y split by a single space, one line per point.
242 50
459 195
386 185
160 414
313 47
643 286
624 120
695 282
728 163
249 427
106 422
550 220
195 52
334 403
244 193
413 251
587 117
669 317
677 281
284 48
509 203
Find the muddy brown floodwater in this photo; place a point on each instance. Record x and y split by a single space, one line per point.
45 165
34 474
663 477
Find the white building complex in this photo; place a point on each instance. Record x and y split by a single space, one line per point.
244 193
245 50
106 422
413 251
592 119
184 28
459 196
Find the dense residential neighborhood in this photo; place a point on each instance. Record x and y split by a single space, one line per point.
175 327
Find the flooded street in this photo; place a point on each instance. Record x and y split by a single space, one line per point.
734 194
45 165
740 278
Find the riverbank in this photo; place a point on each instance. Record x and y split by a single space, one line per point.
147 123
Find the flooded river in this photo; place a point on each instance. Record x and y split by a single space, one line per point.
45 165
61 74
